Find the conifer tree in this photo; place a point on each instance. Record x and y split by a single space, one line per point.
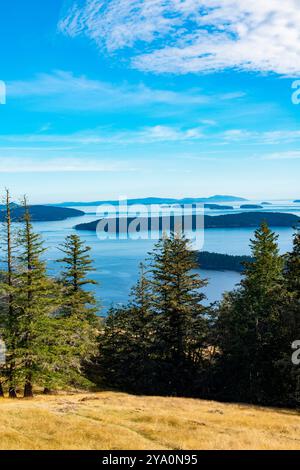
250 324
9 315
292 272
177 302
79 308
78 301
290 376
37 300
126 345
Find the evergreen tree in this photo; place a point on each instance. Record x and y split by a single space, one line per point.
79 308
126 355
250 324
290 376
9 316
292 272
78 301
177 303
37 300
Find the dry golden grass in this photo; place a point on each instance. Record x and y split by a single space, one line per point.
111 421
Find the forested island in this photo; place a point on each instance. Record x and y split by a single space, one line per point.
251 206
222 262
41 213
240 220
217 207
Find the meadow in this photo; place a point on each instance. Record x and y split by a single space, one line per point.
118 421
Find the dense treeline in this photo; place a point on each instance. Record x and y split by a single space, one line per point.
49 326
222 262
167 340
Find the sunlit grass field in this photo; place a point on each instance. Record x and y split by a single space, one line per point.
113 421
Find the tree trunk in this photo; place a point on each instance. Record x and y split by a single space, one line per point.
12 393
28 390
1 391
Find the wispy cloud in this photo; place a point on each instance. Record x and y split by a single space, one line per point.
263 137
65 90
96 138
144 135
292 155
81 92
183 36
54 165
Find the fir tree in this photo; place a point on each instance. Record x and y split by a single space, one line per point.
126 358
37 300
79 308
290 376
10 312
177 302
78 301
250 324
292 272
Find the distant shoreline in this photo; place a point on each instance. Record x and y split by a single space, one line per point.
222 262
239 220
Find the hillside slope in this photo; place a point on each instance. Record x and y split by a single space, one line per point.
110 420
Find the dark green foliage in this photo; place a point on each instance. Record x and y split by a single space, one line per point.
36 298
78 301
291 312
250 325
9 312
79 307
165 340
49 327
221 262
177 302
156 343
127 357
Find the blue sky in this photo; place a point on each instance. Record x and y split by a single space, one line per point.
149 98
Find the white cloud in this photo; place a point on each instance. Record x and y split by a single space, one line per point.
184 36
64 90
143 135
292 155
66 85
39 165
262 137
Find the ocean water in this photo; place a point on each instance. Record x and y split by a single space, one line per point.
116 261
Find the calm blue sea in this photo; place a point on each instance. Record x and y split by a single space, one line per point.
116 261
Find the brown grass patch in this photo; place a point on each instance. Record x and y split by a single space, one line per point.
111 421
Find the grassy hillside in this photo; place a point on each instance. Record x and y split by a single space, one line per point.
112 421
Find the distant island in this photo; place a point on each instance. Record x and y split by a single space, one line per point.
221 262
42 213
245 219
215 207
155 200
266 204
251 206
